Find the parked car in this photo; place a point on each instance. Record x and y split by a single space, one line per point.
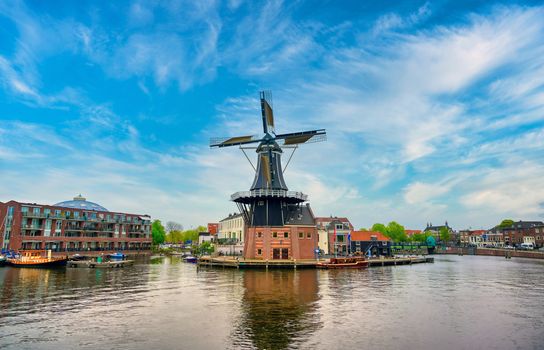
527 246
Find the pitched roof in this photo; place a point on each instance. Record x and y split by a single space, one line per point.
367 236
412 232
231 216
299 215
327 219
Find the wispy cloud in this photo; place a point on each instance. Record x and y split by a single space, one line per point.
426 121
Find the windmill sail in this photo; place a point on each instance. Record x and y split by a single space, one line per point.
234 141
267 113
297 138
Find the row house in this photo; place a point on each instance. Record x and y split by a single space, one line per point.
472 237
524 232
71 226
333 234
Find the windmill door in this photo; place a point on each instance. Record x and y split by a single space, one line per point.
276 253
285 253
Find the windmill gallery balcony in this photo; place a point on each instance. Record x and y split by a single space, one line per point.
258 193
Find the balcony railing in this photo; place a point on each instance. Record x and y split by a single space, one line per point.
31 227
268 193
227 241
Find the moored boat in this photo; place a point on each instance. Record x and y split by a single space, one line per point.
344 263
117 256
190 259
3 260
36 259
79 257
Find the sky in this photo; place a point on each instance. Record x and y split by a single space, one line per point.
434 110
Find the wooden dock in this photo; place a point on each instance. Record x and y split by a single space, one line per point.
240 263
100 265
400 261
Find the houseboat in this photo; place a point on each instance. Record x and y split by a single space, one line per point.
344 263
36 259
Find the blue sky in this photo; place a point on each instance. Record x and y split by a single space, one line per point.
434 110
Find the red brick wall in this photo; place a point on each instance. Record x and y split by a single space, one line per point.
494 252
299 248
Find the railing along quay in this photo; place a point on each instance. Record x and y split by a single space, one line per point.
254 263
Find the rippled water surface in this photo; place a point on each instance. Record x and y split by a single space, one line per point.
463 302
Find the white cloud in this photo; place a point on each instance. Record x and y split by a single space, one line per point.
420 193
409 116
514 190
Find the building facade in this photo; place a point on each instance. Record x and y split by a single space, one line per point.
333 234
213 228
370 243
472 237
297 239
524 232
71 226
435 231
232 229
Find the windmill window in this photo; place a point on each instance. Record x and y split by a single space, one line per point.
259 234
259 251
309 235
301 235
274 234
286 234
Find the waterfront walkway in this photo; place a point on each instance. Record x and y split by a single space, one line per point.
233 262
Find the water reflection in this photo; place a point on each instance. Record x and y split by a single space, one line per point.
24 291
457 302
278 309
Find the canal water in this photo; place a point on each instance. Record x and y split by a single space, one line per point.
459 302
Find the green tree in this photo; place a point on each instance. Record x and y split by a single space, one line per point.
377 227
506 223
445 234
157 232
396 232
174 237
206 248
192 234
419 237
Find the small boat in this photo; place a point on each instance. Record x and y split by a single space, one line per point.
98 263
344 263
36 259
190 259
3 260
78 257
117 255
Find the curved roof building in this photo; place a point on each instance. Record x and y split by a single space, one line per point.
81 202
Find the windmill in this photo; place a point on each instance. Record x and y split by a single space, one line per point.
269 202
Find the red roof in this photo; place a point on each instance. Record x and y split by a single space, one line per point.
367 236
412 232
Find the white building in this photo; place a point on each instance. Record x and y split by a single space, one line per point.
230 235
232 228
